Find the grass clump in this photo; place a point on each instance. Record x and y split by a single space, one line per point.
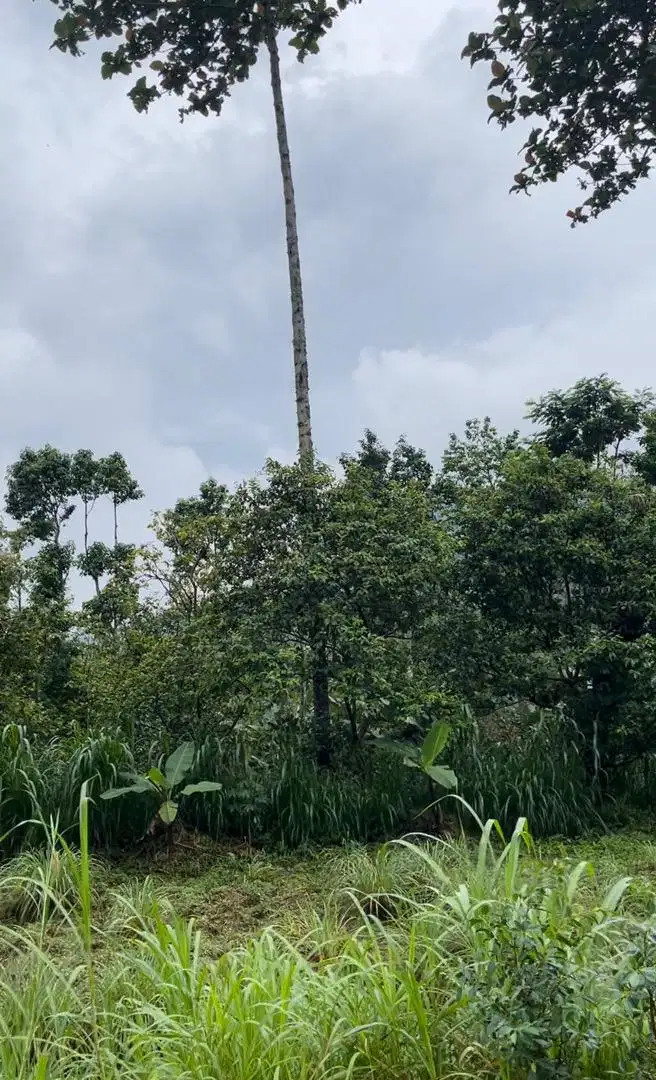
493 964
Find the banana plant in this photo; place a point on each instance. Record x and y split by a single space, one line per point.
424 758
165 786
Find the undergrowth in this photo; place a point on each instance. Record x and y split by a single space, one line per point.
430 960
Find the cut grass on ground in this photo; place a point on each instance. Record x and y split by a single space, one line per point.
481 961
232 892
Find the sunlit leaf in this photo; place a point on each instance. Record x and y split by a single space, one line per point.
434 743
179 763
168 812
446 778
201 786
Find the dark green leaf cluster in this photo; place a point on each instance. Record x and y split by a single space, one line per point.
583 72
195 50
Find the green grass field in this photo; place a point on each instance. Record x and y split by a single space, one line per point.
233 893
397 963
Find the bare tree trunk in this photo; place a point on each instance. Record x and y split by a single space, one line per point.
321 698
299 339
320 671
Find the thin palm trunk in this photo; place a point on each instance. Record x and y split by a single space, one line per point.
318 645
299 338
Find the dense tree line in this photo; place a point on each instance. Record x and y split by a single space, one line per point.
517 576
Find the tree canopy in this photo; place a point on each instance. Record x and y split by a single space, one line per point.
195 51
513 577
583 72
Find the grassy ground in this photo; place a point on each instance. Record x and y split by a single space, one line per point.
233 892
493 961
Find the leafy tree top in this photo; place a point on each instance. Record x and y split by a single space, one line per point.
584 71
115 478
39 486
591 417
195 50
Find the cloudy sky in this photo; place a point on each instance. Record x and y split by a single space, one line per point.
143 283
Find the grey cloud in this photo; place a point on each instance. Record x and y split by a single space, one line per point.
152 254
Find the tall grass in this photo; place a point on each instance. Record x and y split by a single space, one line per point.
525 762
310 806
22 785
494 968
518 763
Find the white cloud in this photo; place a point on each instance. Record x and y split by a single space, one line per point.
428 395
144 285
88 405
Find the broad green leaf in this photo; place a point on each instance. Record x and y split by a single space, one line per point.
168 812
434 743
406 750
202 785
179 763
446 778
156 776
615 894
411 763
139 787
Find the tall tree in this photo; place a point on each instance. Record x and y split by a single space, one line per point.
198 51
40 489
86 482
40 486
584 71
114 479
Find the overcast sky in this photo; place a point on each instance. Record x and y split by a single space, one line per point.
143 282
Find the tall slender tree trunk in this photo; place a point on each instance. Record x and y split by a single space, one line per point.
318 645
299 338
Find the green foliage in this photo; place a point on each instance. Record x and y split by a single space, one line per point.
188 54
584 72
423 759
165 787
39 489
491 966
590 418
516 578
521 758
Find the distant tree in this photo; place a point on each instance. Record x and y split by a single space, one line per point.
40 487
405 463
592 417
86 483
95 562
114 479
644 461
40 492
584 71
188 535
474 460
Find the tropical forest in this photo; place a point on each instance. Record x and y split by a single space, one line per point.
346 769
